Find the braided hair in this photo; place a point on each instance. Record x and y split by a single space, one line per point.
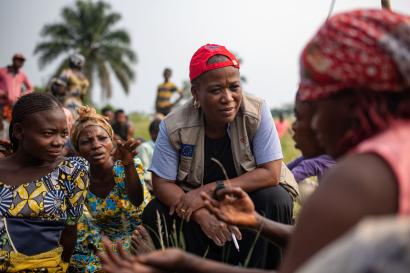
27 105
374 113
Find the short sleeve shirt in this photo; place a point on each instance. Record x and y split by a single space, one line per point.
265 146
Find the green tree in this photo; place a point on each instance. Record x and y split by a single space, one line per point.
88 28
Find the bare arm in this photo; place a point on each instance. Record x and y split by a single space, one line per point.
68 240
28 84
278 233
264 175
199 265
166 190
347 194
133 185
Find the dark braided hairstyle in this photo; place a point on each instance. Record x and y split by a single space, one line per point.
27 105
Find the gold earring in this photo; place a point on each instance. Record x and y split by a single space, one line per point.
196 104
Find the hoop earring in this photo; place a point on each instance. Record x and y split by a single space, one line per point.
196 104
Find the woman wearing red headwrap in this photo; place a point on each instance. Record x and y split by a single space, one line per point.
357 70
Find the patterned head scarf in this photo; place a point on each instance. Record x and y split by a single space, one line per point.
89 117
361 50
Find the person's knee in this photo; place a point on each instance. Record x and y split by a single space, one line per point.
271 194
271 198
154 207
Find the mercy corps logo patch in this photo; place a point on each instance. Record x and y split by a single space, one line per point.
187 150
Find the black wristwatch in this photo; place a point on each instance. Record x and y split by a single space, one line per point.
219 186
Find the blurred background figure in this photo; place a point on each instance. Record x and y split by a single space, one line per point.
165 91
121 126
69 149
13 83
108 113
146 149
77 82
282 125
58 88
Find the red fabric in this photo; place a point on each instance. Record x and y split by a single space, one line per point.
362 49
199 60
393 146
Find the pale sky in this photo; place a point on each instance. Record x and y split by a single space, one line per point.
267 34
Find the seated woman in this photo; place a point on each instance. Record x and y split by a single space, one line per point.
356 68
41 192
117 194
236 129
313 161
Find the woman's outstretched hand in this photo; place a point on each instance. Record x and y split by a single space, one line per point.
126 150
123 262
233 207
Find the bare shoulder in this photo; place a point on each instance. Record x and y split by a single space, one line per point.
366 178
356 187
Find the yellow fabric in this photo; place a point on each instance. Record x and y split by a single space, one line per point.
164 94
89 117
75 83
50 260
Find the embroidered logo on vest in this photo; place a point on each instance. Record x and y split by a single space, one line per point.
187 150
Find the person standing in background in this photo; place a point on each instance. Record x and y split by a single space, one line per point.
165 91
12 81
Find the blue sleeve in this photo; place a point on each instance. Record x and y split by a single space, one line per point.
266 143
165 157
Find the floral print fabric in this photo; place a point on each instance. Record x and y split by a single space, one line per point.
113 216
57 197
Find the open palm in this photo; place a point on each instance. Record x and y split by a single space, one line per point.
234 207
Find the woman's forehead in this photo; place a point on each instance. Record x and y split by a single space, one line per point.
46 117
92 130
229 72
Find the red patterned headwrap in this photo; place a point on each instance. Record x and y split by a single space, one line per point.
361 50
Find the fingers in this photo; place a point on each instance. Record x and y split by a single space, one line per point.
235 230
188 214
235 191
210 200
225 232
109 255
172 210
122 254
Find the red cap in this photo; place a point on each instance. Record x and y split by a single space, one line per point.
199 60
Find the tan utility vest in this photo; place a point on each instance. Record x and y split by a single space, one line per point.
186 131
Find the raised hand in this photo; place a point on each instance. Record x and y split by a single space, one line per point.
126 150
123 262
234 207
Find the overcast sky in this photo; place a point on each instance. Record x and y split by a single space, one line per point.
267 34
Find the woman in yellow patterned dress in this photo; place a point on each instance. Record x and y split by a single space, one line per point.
41 193
117 192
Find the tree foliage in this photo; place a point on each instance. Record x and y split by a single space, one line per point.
88 28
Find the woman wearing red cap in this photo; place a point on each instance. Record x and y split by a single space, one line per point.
236 129
357 70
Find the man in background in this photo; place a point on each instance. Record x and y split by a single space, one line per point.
121 126
13 81
165 91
